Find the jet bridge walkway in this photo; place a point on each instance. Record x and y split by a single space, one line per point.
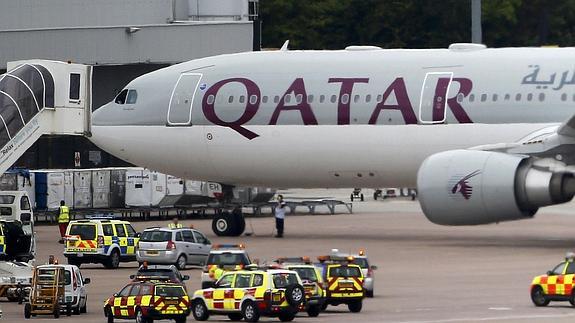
41 97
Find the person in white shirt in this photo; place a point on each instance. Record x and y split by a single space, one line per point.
280 214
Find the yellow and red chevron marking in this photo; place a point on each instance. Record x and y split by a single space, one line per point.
163 305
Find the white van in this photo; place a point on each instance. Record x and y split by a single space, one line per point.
75 296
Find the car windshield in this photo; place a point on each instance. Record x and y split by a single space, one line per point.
170 291
163 273
344 271
156 236
283 280
306 274
85 231
361 262
227 259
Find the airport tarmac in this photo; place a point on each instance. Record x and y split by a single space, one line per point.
427 273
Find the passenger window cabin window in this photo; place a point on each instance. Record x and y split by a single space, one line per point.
494 98
310 98
179 236
132 97
287 98
345 99
74 86
541 97
265 99
356 98
460 97
258 280
231 99
518 97
483 97
24 203
322 98
368 98
242 99
107 230
135 290
529 96
564 97
276 99
333 98
188 236
125 292
471 97
210 99
253 99
121 98
507 97
131 232
299 98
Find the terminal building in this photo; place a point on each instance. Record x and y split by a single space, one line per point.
122 40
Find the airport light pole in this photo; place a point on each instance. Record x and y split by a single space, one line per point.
476 36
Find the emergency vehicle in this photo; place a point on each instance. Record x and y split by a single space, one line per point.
223 258
250 294
148 300
344 283
100 240
557 285
311 281
362 261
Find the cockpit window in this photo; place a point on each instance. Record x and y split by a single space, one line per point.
121 98
132 97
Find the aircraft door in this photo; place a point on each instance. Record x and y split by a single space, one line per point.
433 99
180 109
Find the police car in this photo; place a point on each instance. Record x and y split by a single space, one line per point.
344 283
223 258
557 285
311 280
100 240
148 300
250 294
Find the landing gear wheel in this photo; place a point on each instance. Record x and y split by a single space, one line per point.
238 224
235 316
222 224
538 297
313 310
287 316
250 312
351 197
114 260
181 262
27 310
361 197
355 306
295 295
200 311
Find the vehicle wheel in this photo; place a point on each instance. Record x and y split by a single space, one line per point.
200 311
222 224
361 197
140 316
538 297
250 312
68 309
287 316
295 295
313 311
375 196
27 310
12 298
77 310
181 319
355 306
74 261
84 308
181 262
238 224
572 299
114 260
235 316
369 293
56 311
351 197
324 306
108 313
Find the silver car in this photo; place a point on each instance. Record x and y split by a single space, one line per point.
180 247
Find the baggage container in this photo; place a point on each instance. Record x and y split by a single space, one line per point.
101 188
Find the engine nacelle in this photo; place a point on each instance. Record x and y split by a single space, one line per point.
468 187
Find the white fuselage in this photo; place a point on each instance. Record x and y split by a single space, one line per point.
333 118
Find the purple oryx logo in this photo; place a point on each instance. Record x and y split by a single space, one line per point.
462 186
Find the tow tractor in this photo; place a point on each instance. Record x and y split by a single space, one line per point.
17 245
356 194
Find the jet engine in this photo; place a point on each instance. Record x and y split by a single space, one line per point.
468 187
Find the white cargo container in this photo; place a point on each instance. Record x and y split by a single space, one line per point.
138 187
174 185
158 186
101 188
82 189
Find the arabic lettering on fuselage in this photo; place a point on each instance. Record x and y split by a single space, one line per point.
394 97
567 78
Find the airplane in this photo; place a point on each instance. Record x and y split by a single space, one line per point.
485 134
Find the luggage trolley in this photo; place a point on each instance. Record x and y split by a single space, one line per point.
48 287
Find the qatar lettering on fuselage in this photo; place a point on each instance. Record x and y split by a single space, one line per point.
397 89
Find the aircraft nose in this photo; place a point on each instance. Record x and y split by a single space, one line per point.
104 115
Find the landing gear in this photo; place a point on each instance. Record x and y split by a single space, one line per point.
356 194
227 224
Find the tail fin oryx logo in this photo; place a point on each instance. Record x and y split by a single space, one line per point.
462 186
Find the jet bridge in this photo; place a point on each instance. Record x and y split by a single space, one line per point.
39 97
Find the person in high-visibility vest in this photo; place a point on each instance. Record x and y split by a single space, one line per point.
175 224
63 219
